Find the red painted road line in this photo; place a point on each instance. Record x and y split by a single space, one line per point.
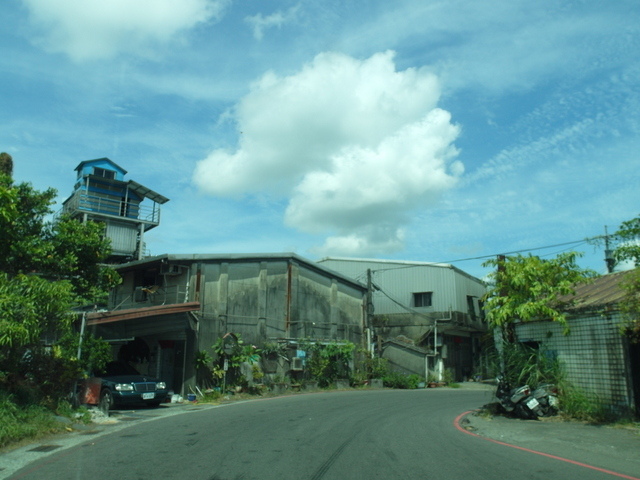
456 423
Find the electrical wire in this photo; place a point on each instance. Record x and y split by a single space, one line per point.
575 243
430 317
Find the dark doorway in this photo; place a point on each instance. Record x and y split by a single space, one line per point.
634 361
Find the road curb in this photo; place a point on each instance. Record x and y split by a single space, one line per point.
464 425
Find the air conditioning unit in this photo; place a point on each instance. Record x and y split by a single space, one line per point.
297 364
170 269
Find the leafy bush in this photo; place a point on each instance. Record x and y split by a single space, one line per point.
233 349
239 352
400 380
375 367
329 362
39 377
448 376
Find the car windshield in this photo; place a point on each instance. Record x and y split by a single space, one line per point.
118 368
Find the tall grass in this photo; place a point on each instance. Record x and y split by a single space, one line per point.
575 404
19 423
522 364
527 365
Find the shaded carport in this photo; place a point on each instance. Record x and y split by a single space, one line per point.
169 330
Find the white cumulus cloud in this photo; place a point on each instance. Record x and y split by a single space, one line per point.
354 145
97 29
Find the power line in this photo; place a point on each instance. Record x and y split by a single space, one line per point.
430 316
482 257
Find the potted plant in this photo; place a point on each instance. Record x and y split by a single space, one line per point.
270 354
279 385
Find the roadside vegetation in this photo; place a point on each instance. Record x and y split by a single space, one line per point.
527 288
48 268
628 238
525 365
326 365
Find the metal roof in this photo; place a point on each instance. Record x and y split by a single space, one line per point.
400 264
237 257
147 192
134 186
602 292
99 318
392 262
99 160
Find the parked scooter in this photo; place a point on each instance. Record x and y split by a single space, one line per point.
547 396
519 401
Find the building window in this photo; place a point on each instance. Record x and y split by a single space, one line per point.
471 308
101 172
422 299
483 315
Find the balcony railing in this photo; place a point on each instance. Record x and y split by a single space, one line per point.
148 297
81 202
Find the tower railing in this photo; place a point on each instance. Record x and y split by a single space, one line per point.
81 202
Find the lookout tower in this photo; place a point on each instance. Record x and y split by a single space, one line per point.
127 208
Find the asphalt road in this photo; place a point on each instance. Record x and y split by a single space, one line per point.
404 434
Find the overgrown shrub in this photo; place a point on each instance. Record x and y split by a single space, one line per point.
368 367
523 364
401 380
235 352
376 367
574 403
328 362
18 423
535 366
38 378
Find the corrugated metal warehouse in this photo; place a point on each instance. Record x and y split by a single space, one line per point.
435 307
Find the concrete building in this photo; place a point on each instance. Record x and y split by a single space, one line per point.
169 307
426 317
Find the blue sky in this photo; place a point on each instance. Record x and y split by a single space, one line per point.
409 130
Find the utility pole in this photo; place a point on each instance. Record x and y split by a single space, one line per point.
369 311
608 253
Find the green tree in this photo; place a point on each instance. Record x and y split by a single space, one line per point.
46 269
628 238
6 164
75 252
525 288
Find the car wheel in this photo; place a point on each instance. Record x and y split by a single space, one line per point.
106 401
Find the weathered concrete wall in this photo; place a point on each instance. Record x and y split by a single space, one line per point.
325 309
405 324
593 355
276 299
414 326
405 360
260 299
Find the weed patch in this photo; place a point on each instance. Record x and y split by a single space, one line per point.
19 423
